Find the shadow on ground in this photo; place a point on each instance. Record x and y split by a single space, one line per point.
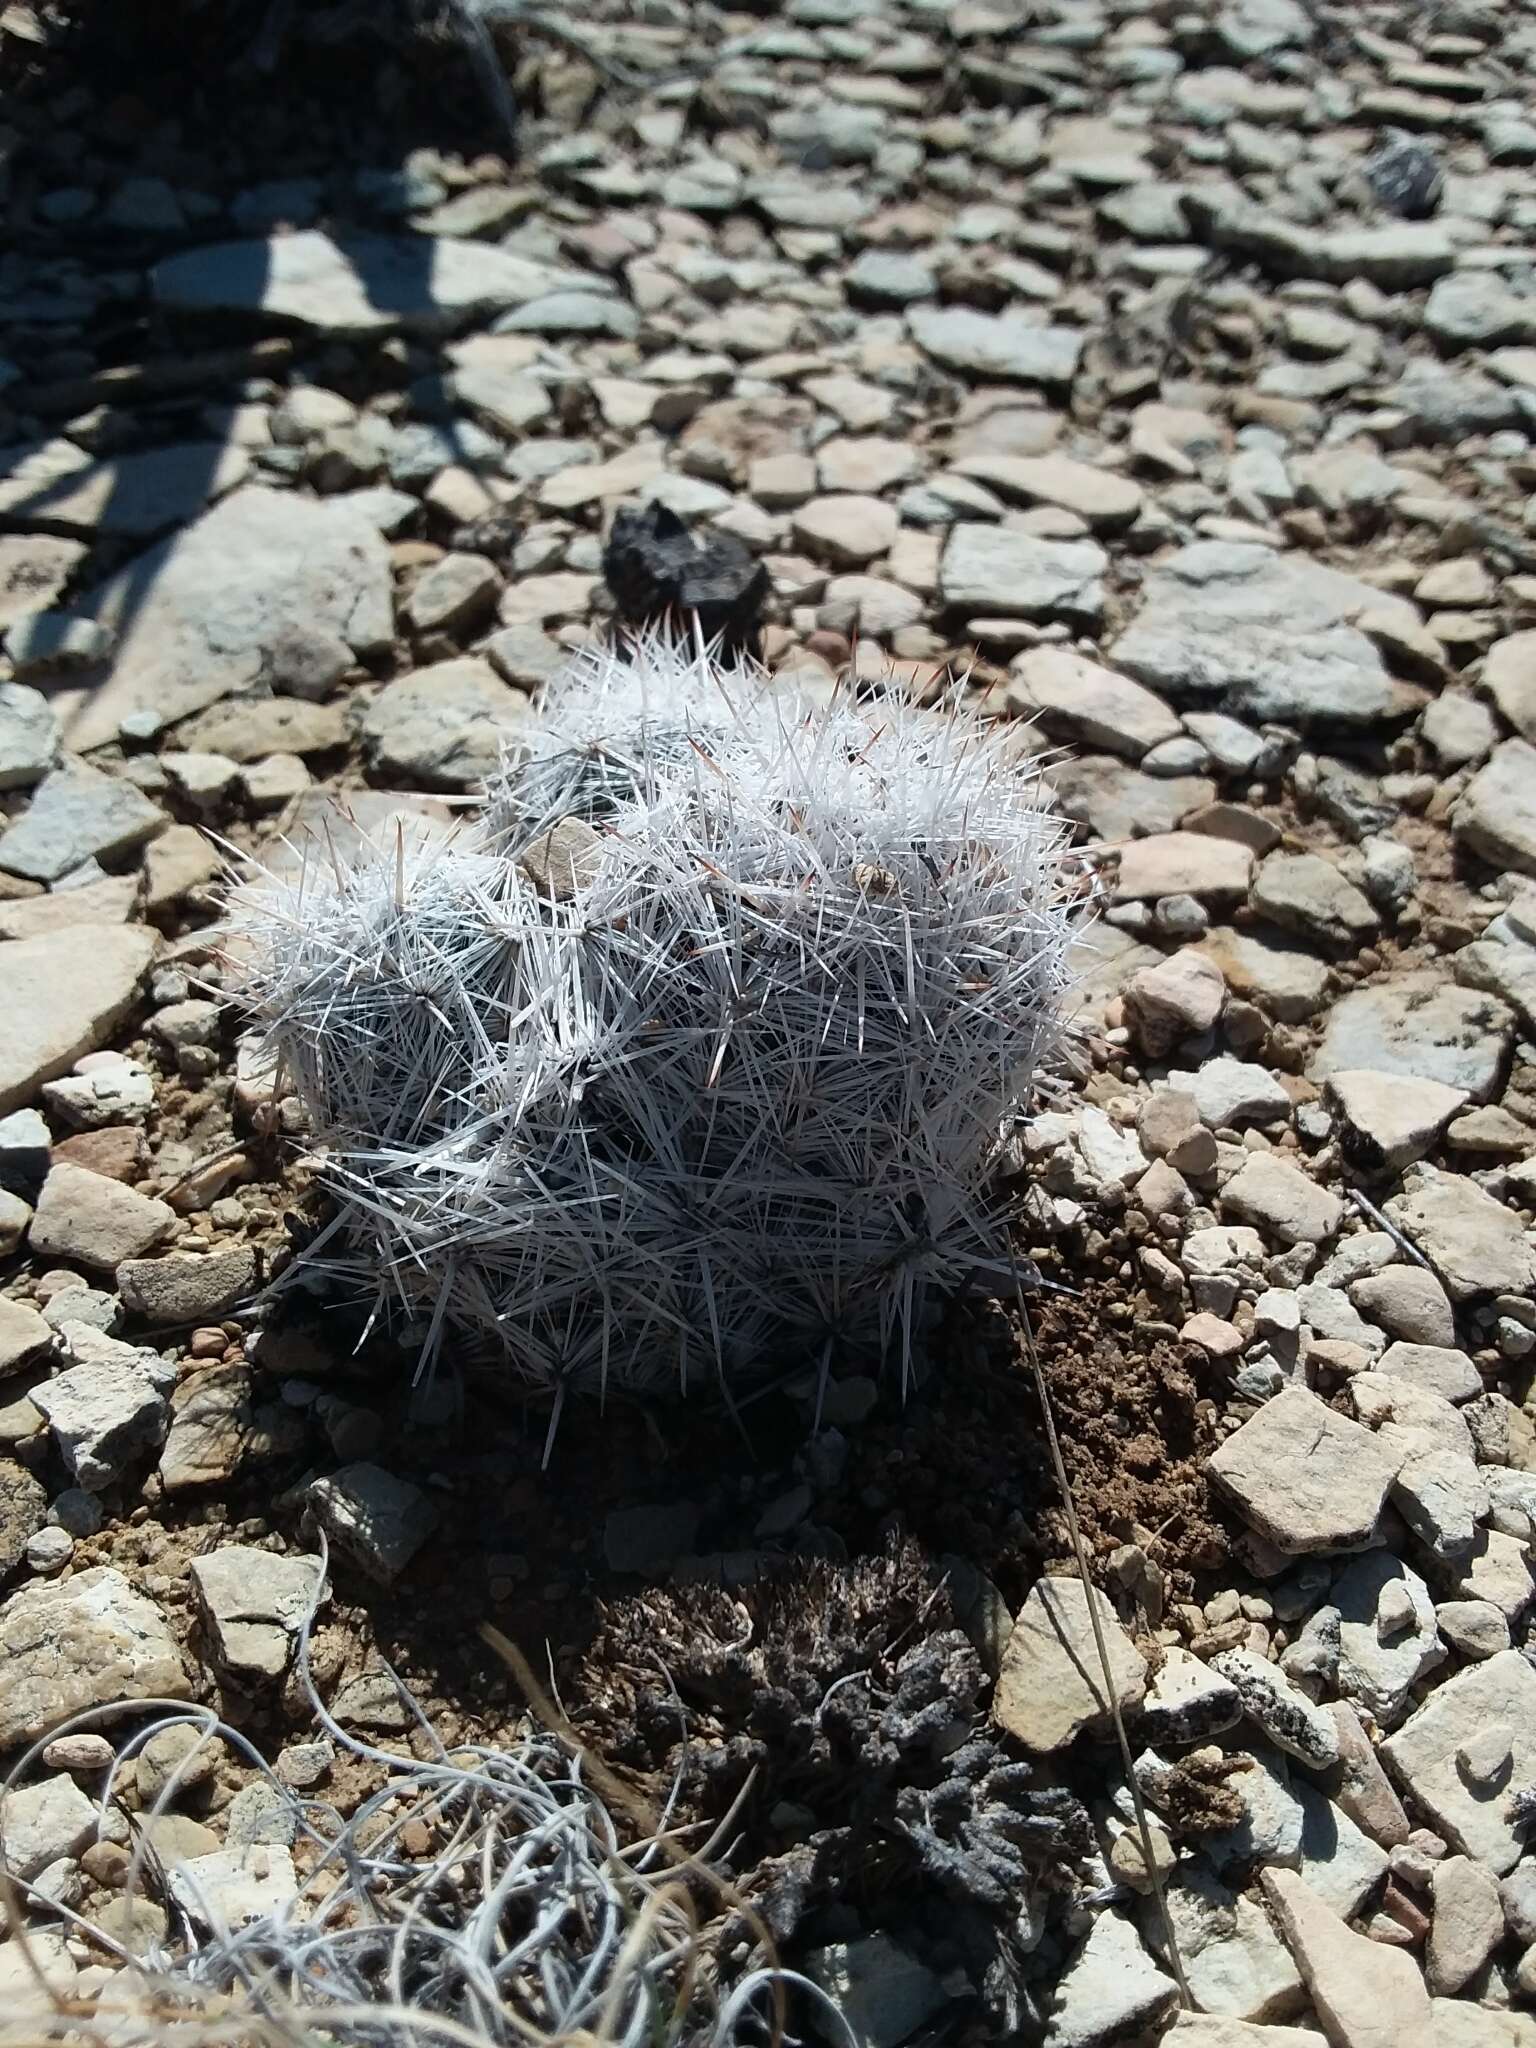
110 430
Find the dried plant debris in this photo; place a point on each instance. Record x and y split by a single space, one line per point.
839 1703
692 1059
480 1892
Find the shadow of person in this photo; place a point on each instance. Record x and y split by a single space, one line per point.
320 132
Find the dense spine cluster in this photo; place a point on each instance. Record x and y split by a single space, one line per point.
690 1058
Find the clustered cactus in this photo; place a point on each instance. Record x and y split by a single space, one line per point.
689 1059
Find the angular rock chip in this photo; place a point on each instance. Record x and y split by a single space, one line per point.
88 1642
65 991
378 1520
253 1604
98 1221
1426 1756
201 616
1475 1245
1051 1686
1304 1477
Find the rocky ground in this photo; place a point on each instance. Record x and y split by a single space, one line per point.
1175 368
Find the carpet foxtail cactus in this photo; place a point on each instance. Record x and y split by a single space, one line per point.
691 1057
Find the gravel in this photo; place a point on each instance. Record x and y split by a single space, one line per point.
1172 382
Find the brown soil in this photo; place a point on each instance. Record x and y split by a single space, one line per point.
966 1468
963 1469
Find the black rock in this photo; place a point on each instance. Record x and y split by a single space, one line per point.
663 579
1406 177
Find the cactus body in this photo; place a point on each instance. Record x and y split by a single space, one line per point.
690 1059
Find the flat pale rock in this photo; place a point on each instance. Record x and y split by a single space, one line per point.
845 528
88 1642
1051 1686
1262 635
182 1289
1111 1990
446 726
1495 1569
1496 1698
1302 892
1234 1962
1342 1863
1115 800
1509 677
1231 1249
1231 1093
39 1823
358 284
1458 2023
34 568
1306 1478
1496 812
588 483
1276 1196
200 616
65 992
864 462
378 1520
232 1887
1442 1496
29 736
1503 962
1475 1245
1284 979
77 814
1080 700
1001 345
96 1221
52 641
1106 500
991 571
827 204
112 900
24 1335
1418 1027
1468 1923
1390 1119
104 1415
1433 1368
1215 2030
1408 1303
52 486
1183 864
1367 1995
509 400
1395 257
248 729
253 1603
